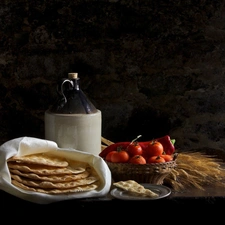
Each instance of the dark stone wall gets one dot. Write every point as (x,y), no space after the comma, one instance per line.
(151,67)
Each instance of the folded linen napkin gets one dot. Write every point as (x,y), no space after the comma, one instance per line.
(30,145)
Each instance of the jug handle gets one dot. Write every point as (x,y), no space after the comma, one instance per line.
(66,80)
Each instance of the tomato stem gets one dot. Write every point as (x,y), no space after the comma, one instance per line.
(135,139)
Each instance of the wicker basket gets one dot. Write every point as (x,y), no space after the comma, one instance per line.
(153,173)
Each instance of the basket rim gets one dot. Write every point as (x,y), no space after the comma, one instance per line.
(172,162)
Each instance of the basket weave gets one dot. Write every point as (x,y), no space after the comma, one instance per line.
(153,173)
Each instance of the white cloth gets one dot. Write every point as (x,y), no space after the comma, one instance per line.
(29,145)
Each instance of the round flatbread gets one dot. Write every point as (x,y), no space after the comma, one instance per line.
(59,185)
(40,159)
(52,178)
(83,188)
(47,170)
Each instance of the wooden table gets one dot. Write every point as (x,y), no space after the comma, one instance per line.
(188,205)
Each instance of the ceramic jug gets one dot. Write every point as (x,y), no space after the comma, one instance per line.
(73,121)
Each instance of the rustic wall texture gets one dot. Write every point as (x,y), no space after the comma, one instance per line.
(151,67)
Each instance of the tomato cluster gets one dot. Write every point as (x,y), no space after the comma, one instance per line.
(135,153)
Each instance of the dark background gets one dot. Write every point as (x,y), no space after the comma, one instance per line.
(151,67)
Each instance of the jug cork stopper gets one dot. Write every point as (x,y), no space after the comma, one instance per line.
(72,75)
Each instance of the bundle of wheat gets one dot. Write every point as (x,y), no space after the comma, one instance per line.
(196,169)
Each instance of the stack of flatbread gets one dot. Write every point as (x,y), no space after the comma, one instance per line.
(51,174)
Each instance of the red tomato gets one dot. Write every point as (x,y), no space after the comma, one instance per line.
(108,156)
(134,149)
(156,159)
(120,157)
(167,157)
(154,148)
(137,159)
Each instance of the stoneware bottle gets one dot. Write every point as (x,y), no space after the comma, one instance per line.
(73,121)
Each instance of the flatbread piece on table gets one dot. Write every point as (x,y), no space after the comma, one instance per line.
(135,188)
